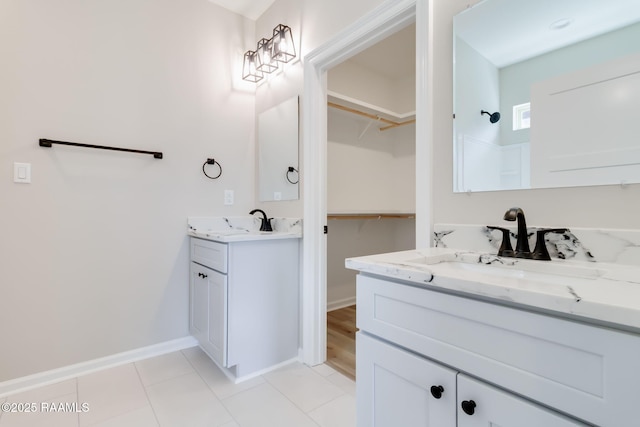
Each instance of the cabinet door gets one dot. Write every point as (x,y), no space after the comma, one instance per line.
(482,405)
(217,338)
(198,303)
(397,388)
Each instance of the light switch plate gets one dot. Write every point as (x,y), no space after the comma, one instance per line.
(228,197)
(22,173)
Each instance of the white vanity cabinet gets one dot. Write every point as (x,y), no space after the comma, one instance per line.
(519,368)
(399,388)
(480,405)
(244,300)
(394,387)
(208,317)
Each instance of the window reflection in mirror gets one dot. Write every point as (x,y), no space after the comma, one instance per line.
(576,64)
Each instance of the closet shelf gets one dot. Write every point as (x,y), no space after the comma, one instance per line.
(371,215)
(389,119)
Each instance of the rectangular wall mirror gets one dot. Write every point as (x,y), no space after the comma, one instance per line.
(546,94)
(278,152)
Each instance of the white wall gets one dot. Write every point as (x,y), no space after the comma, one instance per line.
(358,82)
(602,206)
(358,237)
(369,171)
(93,253)
(477,89)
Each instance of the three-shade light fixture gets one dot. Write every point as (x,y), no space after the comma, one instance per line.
(268,53)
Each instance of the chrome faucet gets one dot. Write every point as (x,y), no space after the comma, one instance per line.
(522,244)
(265,225)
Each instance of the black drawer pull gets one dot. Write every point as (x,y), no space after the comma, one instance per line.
(436,391)
(468,406)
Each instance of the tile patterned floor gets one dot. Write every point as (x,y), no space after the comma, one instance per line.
(185,388)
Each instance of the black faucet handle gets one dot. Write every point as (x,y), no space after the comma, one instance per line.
(506,249)
(266,224)
(540,252)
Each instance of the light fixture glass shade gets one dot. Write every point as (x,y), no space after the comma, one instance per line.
(267,63)
(250,71)
(283,48)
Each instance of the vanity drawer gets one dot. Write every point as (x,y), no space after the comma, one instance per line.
(210,254)
(587,371)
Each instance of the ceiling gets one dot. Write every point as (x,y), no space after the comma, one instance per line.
(509,31)
(251,9)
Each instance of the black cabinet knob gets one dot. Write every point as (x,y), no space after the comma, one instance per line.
(436,391)
(468,406)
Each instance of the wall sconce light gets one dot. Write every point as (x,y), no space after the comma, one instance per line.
(250,71)
(266,61)
(268,53)
(283,48)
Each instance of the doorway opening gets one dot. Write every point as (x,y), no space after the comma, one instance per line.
(370,173)
(384,21)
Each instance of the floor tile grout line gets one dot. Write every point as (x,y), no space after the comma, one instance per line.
(146,394)
(211,389)
(127,412)
(333,400)
(194,371)
(266,382)
(294,403)
(220,398)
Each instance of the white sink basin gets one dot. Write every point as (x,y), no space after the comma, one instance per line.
(515,273)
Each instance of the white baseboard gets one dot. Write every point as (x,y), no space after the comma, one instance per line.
(342,303)
(231,376)
(266,370)
(67,372)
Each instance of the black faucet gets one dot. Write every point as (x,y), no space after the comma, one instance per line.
(522,244)
(265,225)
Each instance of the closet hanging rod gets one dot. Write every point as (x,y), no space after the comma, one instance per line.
(371,216)
(49,142)
(391,124)
(395,125)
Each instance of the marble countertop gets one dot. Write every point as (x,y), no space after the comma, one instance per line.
(602,292)
(227,236)
(242,229)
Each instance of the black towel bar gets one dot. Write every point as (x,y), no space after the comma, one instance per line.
(49,142)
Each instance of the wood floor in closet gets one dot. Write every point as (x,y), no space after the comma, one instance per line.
(341,340)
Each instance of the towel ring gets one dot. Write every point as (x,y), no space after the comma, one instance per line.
(211,162)
(292,169)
